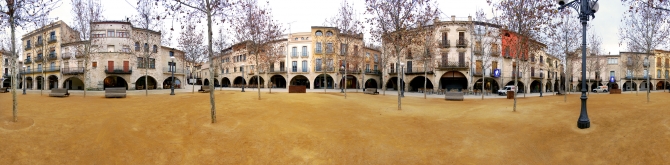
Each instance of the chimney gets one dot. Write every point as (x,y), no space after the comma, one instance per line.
(453,18)
(469,18)
(437,19)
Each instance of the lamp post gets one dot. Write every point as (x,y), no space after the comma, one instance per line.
(585,8)
(172,68)
(244,82)
(402,82)
(24,80)
(341,84)
(646,75)
(541,76)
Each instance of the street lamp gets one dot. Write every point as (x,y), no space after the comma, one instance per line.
(172,68)
(541,76)
(646,66)
(585,8)
(342,84)
(402,83)
(243,80)
(24,80)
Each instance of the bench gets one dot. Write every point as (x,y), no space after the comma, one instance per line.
(371,91)
(205,89)
(457,96)
(4,90)
(115,92)
(59,92)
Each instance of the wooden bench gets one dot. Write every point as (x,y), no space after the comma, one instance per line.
(59,92)
(115,92)
(4,90)
(205,89)
(371,91)
(457,96)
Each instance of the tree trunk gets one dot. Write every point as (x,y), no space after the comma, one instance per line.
(344,83)
(397,53)
(483,82)
(211,62)
(425,78)
(87,57)
(269,84)
(192,84)
(258,79)
(14,55)
(516,79)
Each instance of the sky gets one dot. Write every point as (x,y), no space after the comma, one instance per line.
(300,15)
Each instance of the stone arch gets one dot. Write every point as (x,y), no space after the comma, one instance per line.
(629,86)
(520,86)
(115,81)
(548,87)
(418,82)
(53,82)
(594,85)
(253,81)
(371,83)
(225,82)
(167,83)
(491,85)
(278,81)
(7,82)
(453,80)
(352,82)
(392,83)
(216,83)
(300,80)
(206,82)
(73,83)
(535,86)
(644,85)
(318,82)
(612,85)
(239,81)
(661,85)
(40,82)
(151,83)
(29,83)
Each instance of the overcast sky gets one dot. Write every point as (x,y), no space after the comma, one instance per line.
(307,13)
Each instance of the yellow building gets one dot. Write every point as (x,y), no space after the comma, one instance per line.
(43,59)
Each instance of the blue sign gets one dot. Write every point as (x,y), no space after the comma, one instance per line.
(612,79)
(496,73)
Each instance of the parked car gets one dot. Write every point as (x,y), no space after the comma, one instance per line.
(504,90)
(600,89)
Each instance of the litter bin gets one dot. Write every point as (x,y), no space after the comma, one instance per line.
(510,94)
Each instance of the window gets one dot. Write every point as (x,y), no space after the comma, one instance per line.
(612,73)
(329,33)
(126,49)
(52,66)
(140,62)
(376,58)
(329,48)
(110,33)
(302,38)
(28,69)
(658,62)
(666,73)
(343,49)
(628,73)
(80,64)
(52,36)
(318,47)
(152,63)
(146,47)
(171,54)
(304,66)
(296,39)
(39,40)
(155,49)
(28,44)
(367,67)
(294,67)
(612,61)
(95,64)
(330,64)
(318,64)
(137,46)
(110,48)
(294,52)
(376,68)
(304,51)
(367,56)
(39,67)
(245,57)
(122,34)
(658,73)
(318,33)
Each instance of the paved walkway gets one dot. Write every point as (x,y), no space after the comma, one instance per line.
(188,89)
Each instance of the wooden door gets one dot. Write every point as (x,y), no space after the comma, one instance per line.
(461,59)
(110,66)
(478,69)
(125,66)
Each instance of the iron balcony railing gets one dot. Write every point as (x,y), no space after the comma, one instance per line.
(168,70)
(445,44)
(118,70)
(351,70)
(519,74)
(278,70)
(478,51)
(52,68)
(455,64)
(28,61)
(418,69)
(28,47)
(39,59)
(372,71)
(304,54)
(52,56)
(318,50)
(461,43)
(537,74)
(52,39)
(72,70)
(5,75)
(39,43)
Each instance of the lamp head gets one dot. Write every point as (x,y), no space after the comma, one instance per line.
(561,2)
(172,57)
(594,6)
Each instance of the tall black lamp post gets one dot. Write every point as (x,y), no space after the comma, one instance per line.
(646,75)
(172,68)
(585,8)
(541,76)
(342,84)
(402,80)
(244,81)
(24,80)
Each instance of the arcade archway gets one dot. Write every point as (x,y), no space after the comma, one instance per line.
(40,82)
(548,87)
(453,80)
(319,82)
(418,82)
(150,84)
(352,82)
(629,86)
(239,81)
(7,83)
(53,82)
(167,83)
(300,80)
(278,81)
(662,86)
(253,82)
(519,86)
(595,85)
(73,83)
(644,85)
(392,83)
(29,83)
(535,86)
(491,85)
(115,81)
(206,82)
(225,82)
(371,83)
(216,83)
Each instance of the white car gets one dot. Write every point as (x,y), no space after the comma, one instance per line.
(600,89)
(504,90)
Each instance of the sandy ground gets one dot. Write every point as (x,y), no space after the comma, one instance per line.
(317,128)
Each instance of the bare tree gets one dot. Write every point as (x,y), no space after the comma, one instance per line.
(20,14)
(254,25)
(349,37)
(83,13)
(595,63)
(486,38)
(393,20)
(325,49)
(273,54)
(529,20)
(147,36)
(565,30)
(190,41)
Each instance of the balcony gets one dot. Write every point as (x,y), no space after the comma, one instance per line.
(168,70)
(537,75)
(495,53)
(72,71)
(52,56)
(304,54)
(533,61)
(39,59)
(445,44)
(351,71)
(318,51)
(79,55)
(478,51)
(277,70)
(39,43)
(66,56)
(52,39)
(28,47)
(329,51)
(461,43)
(629,63)
(453,65)
(477,72)
(118,70)
(52,69)
(294,55)
(519,74)
(6,76)
(419,70)
(27,61)
(375,72)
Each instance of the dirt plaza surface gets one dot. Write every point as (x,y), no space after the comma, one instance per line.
(318,128)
